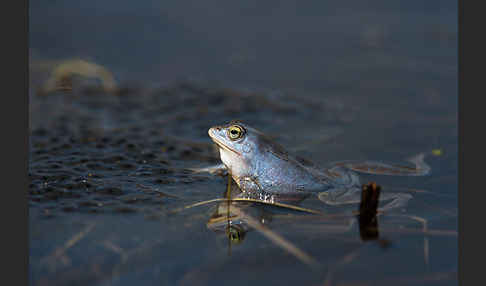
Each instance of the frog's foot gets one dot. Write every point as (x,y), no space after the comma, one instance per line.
(219,169)
(340,196)
(377,168)
(353,196)
(399,200)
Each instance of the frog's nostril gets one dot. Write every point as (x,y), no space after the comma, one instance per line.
(212,131)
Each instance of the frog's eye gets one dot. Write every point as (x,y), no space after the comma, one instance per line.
(235,132)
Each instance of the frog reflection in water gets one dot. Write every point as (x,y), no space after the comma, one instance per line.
(264,170)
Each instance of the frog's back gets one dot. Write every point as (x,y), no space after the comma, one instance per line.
(284,172)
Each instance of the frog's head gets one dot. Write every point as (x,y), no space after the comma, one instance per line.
(238,145)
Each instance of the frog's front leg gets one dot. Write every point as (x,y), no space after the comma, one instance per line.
(219,169)
(253,190)
(248,185)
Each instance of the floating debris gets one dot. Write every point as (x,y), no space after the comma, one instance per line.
(61,77)
(437,152)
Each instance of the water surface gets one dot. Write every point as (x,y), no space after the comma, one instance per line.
(329,81)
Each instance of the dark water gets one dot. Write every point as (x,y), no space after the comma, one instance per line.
(330,81)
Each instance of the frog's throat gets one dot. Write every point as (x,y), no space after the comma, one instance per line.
(221,145)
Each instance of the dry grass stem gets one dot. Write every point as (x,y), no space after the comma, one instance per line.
(291,207)
(333,268)
(59,253)
(277,239)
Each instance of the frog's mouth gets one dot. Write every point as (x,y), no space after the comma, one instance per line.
(213,135)
(221,145)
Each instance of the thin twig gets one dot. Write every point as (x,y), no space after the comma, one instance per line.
(59,253)
(228,196)
(296,208)
(157,191)
(348,258)
(279,240)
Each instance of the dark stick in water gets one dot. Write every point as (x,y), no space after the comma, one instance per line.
(368,225)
